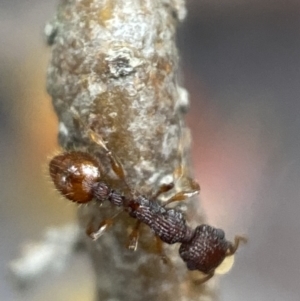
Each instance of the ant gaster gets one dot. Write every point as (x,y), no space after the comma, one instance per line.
(77,176)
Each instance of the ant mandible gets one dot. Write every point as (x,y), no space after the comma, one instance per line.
(77,176)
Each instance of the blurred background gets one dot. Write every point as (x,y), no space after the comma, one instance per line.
(241,65)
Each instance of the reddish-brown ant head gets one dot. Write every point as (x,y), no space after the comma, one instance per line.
(206,250)
(74,175)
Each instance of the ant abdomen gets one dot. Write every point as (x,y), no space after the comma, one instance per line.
(74,175)
(206,250)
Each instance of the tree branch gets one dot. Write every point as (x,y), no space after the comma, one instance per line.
(116,63)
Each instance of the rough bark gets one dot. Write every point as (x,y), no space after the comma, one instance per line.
(116,63)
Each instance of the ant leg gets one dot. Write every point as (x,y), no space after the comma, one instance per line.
(93,233)
(162,189)
(193,189)
(160,250)
(134,237)
(115,164)
(185,140)
(234,246)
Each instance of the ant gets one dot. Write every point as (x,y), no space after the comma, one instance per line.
(78,177)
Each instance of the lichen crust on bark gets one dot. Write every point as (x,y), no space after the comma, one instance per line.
(115,62)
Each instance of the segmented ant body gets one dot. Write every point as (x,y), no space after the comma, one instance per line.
(77,176)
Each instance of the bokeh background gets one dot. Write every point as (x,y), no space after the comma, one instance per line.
(241,63)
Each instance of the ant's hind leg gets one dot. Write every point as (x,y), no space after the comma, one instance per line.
(115,164)
(134,237)
(234,246)
(95,233)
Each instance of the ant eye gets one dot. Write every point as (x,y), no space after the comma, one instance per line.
(74,175)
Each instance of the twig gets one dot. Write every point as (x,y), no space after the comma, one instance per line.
(115,63)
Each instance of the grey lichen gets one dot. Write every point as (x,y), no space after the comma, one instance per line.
(115,62)
(51,254)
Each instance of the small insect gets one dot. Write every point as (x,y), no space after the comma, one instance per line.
(77,176)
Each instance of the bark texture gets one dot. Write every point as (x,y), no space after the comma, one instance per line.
(116,63)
